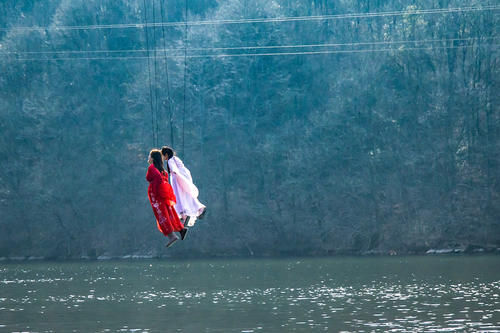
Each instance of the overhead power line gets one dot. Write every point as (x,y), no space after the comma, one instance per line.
(400,49)
(340,51)
(257,20)
(244,48)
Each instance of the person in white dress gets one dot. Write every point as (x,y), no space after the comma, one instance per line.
(188,206)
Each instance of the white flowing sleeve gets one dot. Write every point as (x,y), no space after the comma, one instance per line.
(174,169)
(182,176)
(182,168)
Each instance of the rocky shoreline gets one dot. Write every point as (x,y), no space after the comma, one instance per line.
(476,250)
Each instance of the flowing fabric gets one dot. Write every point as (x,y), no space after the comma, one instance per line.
(162,199)
(184,190)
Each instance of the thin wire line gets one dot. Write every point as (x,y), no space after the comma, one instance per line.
(347,16)
(260,20)
(338,51)
(257,47)
(149,75)
(337,44)
(155,73)
(166,74)
(185,71)
(265,54)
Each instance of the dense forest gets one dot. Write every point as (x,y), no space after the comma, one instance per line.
(310,127)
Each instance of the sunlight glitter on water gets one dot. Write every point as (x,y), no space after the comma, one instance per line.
(229,293)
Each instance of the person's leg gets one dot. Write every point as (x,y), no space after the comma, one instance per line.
(172,238)
(183,233)
(176,223)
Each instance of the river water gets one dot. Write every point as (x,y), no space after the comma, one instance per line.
(338,294)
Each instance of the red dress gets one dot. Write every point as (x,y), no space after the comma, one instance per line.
(162,198)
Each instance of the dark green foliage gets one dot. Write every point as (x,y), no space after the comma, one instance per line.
(293,154)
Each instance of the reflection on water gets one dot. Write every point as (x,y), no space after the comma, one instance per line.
(410,294)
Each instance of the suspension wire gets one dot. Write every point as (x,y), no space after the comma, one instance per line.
(155,61)
(169,102)
(262,20)
(149,76)
(263,47)
(337,51)
(400,49)
(185,70)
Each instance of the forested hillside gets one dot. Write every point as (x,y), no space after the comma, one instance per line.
(320,128)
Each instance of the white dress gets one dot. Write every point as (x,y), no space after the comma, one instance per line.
(185,191)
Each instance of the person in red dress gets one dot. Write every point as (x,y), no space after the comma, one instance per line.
(162,199)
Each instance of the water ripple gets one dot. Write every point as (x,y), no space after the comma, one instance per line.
(321,303)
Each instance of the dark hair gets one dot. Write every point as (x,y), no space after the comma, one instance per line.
(157,160)
(166,150)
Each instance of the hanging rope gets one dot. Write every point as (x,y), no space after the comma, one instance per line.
(185,70)
(171,115)
(149,75)
(155,61)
